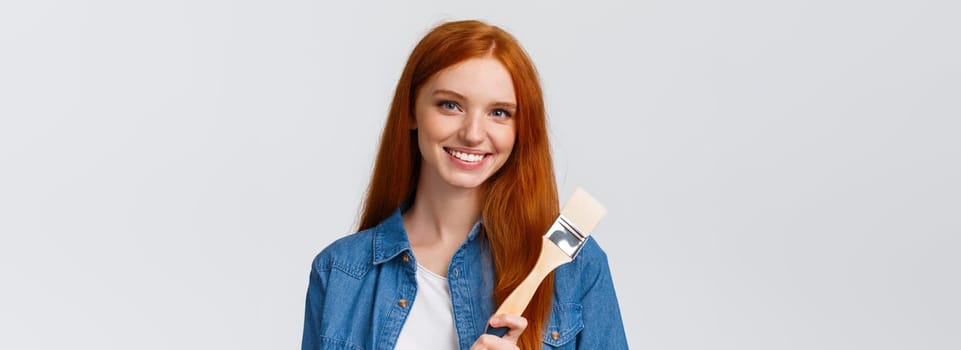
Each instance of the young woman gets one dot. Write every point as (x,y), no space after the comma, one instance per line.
(462,191)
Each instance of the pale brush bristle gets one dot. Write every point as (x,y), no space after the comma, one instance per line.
(583,211)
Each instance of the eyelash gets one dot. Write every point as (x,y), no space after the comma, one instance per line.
(506,113)
(446,104)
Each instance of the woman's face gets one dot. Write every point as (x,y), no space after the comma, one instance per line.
(464,116)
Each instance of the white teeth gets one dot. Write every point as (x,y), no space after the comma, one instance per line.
(467,157)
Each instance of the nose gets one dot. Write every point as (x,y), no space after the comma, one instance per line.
(472,131)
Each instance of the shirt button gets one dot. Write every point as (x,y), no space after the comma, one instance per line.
(456,272)
(555,335)
(406,258)
(402,303)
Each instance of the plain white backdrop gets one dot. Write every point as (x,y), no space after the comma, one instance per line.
(779,175)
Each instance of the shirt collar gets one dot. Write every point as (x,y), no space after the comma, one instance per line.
(390,237)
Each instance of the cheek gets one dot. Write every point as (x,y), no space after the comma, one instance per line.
(423,143)
(430,128)
(505,140)
(430,132)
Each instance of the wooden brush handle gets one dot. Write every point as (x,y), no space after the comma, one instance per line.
(551,257)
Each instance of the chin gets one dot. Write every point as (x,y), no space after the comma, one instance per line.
(465,183)
(466,186)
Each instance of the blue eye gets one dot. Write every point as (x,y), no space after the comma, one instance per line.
(500,113)
(448,105)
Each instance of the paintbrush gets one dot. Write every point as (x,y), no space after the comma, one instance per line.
(579,216)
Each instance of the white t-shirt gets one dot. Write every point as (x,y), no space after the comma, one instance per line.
(430,323)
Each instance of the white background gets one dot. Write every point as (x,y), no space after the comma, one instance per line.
(779,175)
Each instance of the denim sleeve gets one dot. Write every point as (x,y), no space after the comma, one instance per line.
(603,328)
(316,292)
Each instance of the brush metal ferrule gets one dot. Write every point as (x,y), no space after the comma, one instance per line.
(566,236)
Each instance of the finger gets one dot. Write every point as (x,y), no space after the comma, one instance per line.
(491,342)
(516,324)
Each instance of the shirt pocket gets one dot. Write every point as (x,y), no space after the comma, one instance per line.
(565,324)
(340,326)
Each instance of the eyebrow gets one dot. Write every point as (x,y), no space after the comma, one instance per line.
(461,97)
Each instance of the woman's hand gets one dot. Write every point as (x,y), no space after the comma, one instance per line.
(516,324)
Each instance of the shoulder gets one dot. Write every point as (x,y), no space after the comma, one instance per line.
(591,258)
(351,254)
(575,278)
(592,254)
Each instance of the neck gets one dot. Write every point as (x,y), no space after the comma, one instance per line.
(443,213)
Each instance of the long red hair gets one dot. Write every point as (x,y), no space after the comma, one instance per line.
(521,198)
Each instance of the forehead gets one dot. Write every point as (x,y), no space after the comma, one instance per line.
(484,79)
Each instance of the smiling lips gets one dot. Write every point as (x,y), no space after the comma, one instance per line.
(466,157)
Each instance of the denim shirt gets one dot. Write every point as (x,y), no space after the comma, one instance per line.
(363,286)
